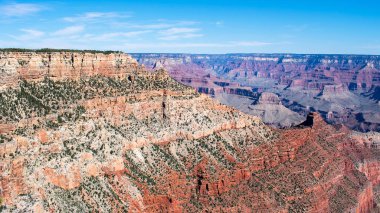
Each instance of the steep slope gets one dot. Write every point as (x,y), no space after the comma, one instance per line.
(141,142)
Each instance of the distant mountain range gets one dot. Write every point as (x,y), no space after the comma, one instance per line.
(344,89)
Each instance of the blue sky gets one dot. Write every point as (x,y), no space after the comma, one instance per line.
(195,26)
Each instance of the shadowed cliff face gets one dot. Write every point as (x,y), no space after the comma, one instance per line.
(340,87)
(140,141)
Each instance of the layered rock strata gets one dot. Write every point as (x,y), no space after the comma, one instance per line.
(62,65)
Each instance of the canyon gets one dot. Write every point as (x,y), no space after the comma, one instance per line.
(344,89)
(87,132)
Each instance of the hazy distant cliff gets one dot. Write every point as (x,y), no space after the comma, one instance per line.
(356,71)
(344,88)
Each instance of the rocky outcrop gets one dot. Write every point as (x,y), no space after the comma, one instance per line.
(269,98)
(270,109)
(334,89)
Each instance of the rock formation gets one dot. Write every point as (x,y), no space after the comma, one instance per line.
(270,109)
(116,140)
(269,98)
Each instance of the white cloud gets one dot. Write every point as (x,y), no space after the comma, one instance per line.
(28,34)
(69,31)
(219,23)
(20,9)
(178,30)
(150,26)
(201,44)
(251,43)
(32,32)
(95,16)
(158,25)
(180,36)
(109,36)
(176,33)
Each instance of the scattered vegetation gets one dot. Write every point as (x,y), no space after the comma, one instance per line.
(4,139)
(33,99)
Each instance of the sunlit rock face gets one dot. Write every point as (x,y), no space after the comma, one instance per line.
(62,65)
(125,139)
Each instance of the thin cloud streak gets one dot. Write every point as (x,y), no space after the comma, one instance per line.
(159,25)
(32,32)
(116,35)
(107,30)
(95,17)
(188,45)
(28,34)
(69,31)
(251,43)
(176,33)
(179,30)
(180,36)
(20,9)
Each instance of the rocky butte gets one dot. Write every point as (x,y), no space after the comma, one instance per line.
(344,89)
(86,132)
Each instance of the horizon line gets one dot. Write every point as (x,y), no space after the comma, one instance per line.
(10,49)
